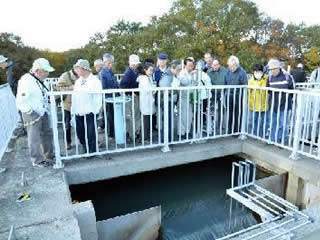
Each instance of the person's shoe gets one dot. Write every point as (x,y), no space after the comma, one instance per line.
(69,146)
(42,164)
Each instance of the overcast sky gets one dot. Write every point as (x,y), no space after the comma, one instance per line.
(59,25)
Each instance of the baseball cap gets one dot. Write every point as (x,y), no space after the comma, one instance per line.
(43,64)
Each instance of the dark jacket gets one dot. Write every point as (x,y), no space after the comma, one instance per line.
(299,75)
(218,77)
(13,75)
(238,77)
(129,79)
(281,81)
(108,80)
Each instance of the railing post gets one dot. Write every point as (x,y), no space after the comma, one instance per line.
(243,135)
(54,125)
(297,126)
(166,122)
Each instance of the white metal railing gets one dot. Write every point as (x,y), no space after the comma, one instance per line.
(285,118)
(308,85)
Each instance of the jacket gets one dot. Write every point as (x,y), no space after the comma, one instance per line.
(31,96)
(13,75)
(66,83)
(129,79)
(146,98)
(108,80)
(315,76)
(217,77)
(238,77)
(281,81)
(299,75)
(258,98)
(84,100)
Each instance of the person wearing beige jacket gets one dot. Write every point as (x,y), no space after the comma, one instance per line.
(66,83)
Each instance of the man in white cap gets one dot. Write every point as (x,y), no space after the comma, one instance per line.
(86,104)
(129,80)
(32,101)
(280,111)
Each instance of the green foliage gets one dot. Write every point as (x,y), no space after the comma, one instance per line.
(312,58)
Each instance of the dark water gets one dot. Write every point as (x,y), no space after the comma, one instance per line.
(193,199)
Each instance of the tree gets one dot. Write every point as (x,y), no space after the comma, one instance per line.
(312,58)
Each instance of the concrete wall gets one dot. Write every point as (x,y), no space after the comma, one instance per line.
(143,225)
(85,214)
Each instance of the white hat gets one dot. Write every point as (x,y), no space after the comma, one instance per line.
(83,64)
(42,64)
(3,59)
(134,59)
(273,63)
(98,62)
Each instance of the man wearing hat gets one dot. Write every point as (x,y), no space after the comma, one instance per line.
(32,101)
(280,111)
(129,81)
(13,75)
(86,104)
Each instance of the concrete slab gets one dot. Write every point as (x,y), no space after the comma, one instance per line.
(84,212)
(84,171)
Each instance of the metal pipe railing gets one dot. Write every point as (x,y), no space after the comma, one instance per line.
(285,121)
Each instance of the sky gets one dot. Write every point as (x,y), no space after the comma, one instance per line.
(59,25)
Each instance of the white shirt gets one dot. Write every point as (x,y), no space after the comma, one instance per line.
(84,98)
(147,105)
(31,95)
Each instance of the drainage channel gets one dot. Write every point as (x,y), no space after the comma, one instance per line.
(194,204)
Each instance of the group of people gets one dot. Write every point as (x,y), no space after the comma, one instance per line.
(85,105)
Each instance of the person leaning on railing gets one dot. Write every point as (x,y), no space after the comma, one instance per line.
(32,101)
(86,104)
(235,75)
(129,81)
(187,98)
(65,83)
(258,104)
(108,81)
(279,111)
(217,75)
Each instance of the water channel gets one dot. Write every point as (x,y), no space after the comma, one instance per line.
(193,199)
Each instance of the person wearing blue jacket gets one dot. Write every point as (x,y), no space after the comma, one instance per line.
(108,81)
(279,102)
(235,75)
